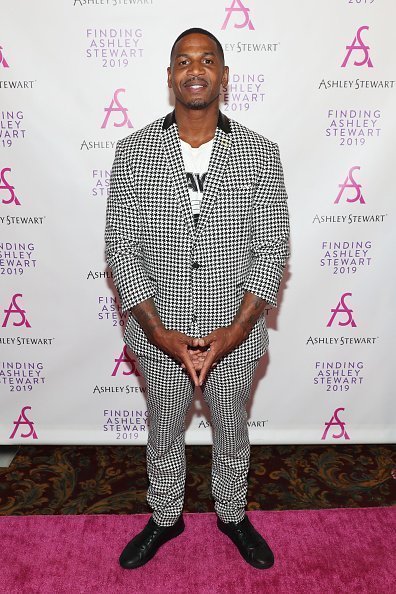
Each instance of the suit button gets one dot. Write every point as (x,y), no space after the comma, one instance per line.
(195,265)
(194,318)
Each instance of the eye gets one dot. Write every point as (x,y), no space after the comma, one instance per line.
(208,61)
(183,62)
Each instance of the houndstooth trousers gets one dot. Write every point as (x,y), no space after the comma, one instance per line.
(170,392)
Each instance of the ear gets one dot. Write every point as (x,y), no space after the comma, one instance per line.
(224,80)
(169,77)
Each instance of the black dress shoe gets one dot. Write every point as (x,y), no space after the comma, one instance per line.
(249,542)
(143,547)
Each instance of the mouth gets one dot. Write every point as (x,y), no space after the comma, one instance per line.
(195,85)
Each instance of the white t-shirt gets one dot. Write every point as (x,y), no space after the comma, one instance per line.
(196,163)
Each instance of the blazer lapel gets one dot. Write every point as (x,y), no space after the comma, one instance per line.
(218,161)
(217,165)
(175,163)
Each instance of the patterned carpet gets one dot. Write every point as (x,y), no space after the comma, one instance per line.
(112,479)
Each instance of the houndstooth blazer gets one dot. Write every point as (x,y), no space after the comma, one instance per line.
(196,276)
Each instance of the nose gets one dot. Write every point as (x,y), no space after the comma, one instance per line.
(196,68)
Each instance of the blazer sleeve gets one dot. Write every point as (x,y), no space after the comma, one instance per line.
(122,245)
(270,236)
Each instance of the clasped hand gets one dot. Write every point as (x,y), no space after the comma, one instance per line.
(199,355)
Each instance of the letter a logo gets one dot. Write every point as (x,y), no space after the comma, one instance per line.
(125,358)
(4,185)
(3,61)
(342,309)
(23,420)
(335,421)
(358,46)
(238,7)
(116,107)
(15,309)
(350,183)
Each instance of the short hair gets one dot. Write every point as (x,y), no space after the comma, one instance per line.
(202,32)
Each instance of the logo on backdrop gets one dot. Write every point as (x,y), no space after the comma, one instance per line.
(239,46)
(8,220)
(242,18)
(340,310)
(21,376)
(357,55)
(95,274)
(341,316)
(251,423)
(115,48)
(130,364)
(125,365)
(352,127)
(338,376)
(90,145)
(13,84)
(336,422)
(112,3)
(110,309)
(118,115)
(345,257)
(350,183)
(359,50)
(15,258)
(11,127)
(21,422)
(5,186)
(243,91)
(125,424)
(3,61)
(101,182)
(117,108)
(15,310)
(350,192)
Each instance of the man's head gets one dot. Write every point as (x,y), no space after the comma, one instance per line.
(197,70)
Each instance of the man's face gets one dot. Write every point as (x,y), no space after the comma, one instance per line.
(197,71)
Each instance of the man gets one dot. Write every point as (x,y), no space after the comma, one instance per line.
(196,237)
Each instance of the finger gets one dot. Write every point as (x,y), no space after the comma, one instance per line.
(206,366)
(207,340)
(189,340)
(195,358)
(197,355)
(189,366)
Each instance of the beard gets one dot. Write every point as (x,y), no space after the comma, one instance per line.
(197,104)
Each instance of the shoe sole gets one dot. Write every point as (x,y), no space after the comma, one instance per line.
(149,557)
(252,563)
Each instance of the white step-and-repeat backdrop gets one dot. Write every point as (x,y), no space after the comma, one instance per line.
(318,77)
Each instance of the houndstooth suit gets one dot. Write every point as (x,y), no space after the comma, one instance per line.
(197,277)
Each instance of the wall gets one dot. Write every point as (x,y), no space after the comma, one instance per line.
(318,78)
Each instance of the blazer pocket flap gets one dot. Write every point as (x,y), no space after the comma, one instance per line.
(238,188)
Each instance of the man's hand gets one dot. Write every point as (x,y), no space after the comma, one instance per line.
(203,352)
(198,355)
(223,340)
(176,344)
(172,342)
(219,343)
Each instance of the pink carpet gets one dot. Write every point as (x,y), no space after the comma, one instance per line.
(320,551)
